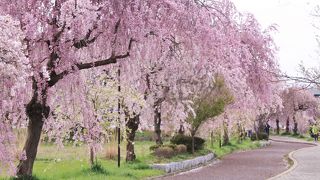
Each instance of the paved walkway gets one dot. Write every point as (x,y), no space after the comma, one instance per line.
(255,164)
(307,164)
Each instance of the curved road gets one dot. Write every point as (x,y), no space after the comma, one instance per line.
(255,164)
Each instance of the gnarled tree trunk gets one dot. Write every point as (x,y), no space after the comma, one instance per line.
(287,125)
(92,157)
(132,125)
(295,126)
(225,139)
(36,111)
(192,143)
(278,127)
(157,124)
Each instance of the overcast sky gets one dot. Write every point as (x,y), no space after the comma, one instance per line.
(296,34)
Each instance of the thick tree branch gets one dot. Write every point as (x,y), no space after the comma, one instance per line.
(54,78)
(86,40)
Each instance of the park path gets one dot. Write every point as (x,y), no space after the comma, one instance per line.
(255,164)
(306,167)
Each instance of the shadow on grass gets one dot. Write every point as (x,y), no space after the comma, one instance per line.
(137,165)
(25,178)
(97,168)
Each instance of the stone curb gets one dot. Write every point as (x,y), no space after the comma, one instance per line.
(186,164)
(290,156)
(301,142)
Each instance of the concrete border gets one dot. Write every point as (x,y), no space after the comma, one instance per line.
(290,156)
(213,161)
(173,167)
(301,142)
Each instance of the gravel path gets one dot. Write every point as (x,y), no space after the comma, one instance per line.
(255,164)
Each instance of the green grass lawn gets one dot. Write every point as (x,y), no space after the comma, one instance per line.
(305,137)
(71,162)
(80,169)
(247,144)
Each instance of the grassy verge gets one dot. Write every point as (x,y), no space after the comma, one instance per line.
(305,137)
(71,162)
(79,169)
(247,144)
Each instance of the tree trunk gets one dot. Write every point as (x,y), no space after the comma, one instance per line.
(181,130)
(225,134)
(36,113)
(132,125)
(157,124)
(211,138)
(278,127)
(192,144)
(287,126)
(295,126)
(91,156)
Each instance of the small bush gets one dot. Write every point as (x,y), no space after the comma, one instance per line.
(154,147)
(98,168)
(187,140)
(111,152)
(181,148)
(173,146)
(261,136)
(166,152)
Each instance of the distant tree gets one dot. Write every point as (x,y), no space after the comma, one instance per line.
(208,104)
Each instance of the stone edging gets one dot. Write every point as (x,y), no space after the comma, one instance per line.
(290,156)
(186,164)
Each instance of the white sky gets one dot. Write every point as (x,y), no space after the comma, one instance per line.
(296,34)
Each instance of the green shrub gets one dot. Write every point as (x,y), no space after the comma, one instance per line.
(187,140)
(98,168)
(261,136)
(181,148)
(173,146)
(166,152)
(154,147)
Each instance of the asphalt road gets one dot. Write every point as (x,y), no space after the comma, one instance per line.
(255,164)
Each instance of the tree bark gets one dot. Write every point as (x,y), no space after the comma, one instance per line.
(225,134)
(295,126)
(278,127)
(36,111)
(157,124)
(91,156)
(287,126)
(132,125)
(192,144)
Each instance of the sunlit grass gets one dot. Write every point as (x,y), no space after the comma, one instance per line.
(71,162)
(246,144)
